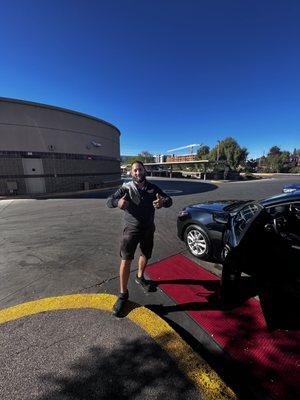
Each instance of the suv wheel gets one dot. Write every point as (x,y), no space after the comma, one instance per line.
(197,241)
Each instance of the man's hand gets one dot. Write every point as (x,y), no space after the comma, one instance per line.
(158,203)
(123,203)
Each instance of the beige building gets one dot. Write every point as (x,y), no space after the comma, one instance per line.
(45,149)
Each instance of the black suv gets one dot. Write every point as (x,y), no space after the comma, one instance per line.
(261,239)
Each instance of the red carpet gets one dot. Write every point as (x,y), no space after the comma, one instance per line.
(270,358)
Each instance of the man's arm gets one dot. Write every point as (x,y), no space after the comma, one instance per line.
(113,200)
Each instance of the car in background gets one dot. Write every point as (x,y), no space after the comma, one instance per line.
(291,187)
(259,238)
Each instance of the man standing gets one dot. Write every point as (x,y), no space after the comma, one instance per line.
(139,199)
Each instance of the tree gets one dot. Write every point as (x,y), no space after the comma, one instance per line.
(251,165)
(230,151)
(202,153)
(284,161)
(145,156)
(274,151)
(131,159)
(277,160)
(295,157)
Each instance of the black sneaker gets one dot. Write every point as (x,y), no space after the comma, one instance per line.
(146,285)
(119,304)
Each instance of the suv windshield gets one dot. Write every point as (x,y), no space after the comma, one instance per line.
(236,205)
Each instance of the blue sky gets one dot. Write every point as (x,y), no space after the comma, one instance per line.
(167,73)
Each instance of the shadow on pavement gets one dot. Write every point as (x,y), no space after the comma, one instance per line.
(135,369)
(280,305)
(247,289)
(172,188)
(230,372)
(279,301)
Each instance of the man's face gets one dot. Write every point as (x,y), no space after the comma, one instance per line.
(138,173)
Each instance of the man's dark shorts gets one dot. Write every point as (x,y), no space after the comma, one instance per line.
(132,236)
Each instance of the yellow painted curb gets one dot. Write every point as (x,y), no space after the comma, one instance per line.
(197,370)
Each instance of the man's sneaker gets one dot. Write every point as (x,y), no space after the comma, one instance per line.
(146,285)
(119,304)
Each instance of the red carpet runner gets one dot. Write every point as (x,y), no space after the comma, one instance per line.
(271,358)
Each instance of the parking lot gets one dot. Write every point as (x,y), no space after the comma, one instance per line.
(69,244)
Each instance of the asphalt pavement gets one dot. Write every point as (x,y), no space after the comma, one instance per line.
(67,245)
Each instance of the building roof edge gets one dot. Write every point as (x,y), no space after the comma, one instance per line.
(42,105)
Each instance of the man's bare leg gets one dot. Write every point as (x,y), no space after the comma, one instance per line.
(142,264)
(124,275)
(123,296)
(140,280)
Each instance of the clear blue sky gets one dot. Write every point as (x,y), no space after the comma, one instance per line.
(167,73)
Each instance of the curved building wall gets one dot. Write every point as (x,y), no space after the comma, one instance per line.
(50,149)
